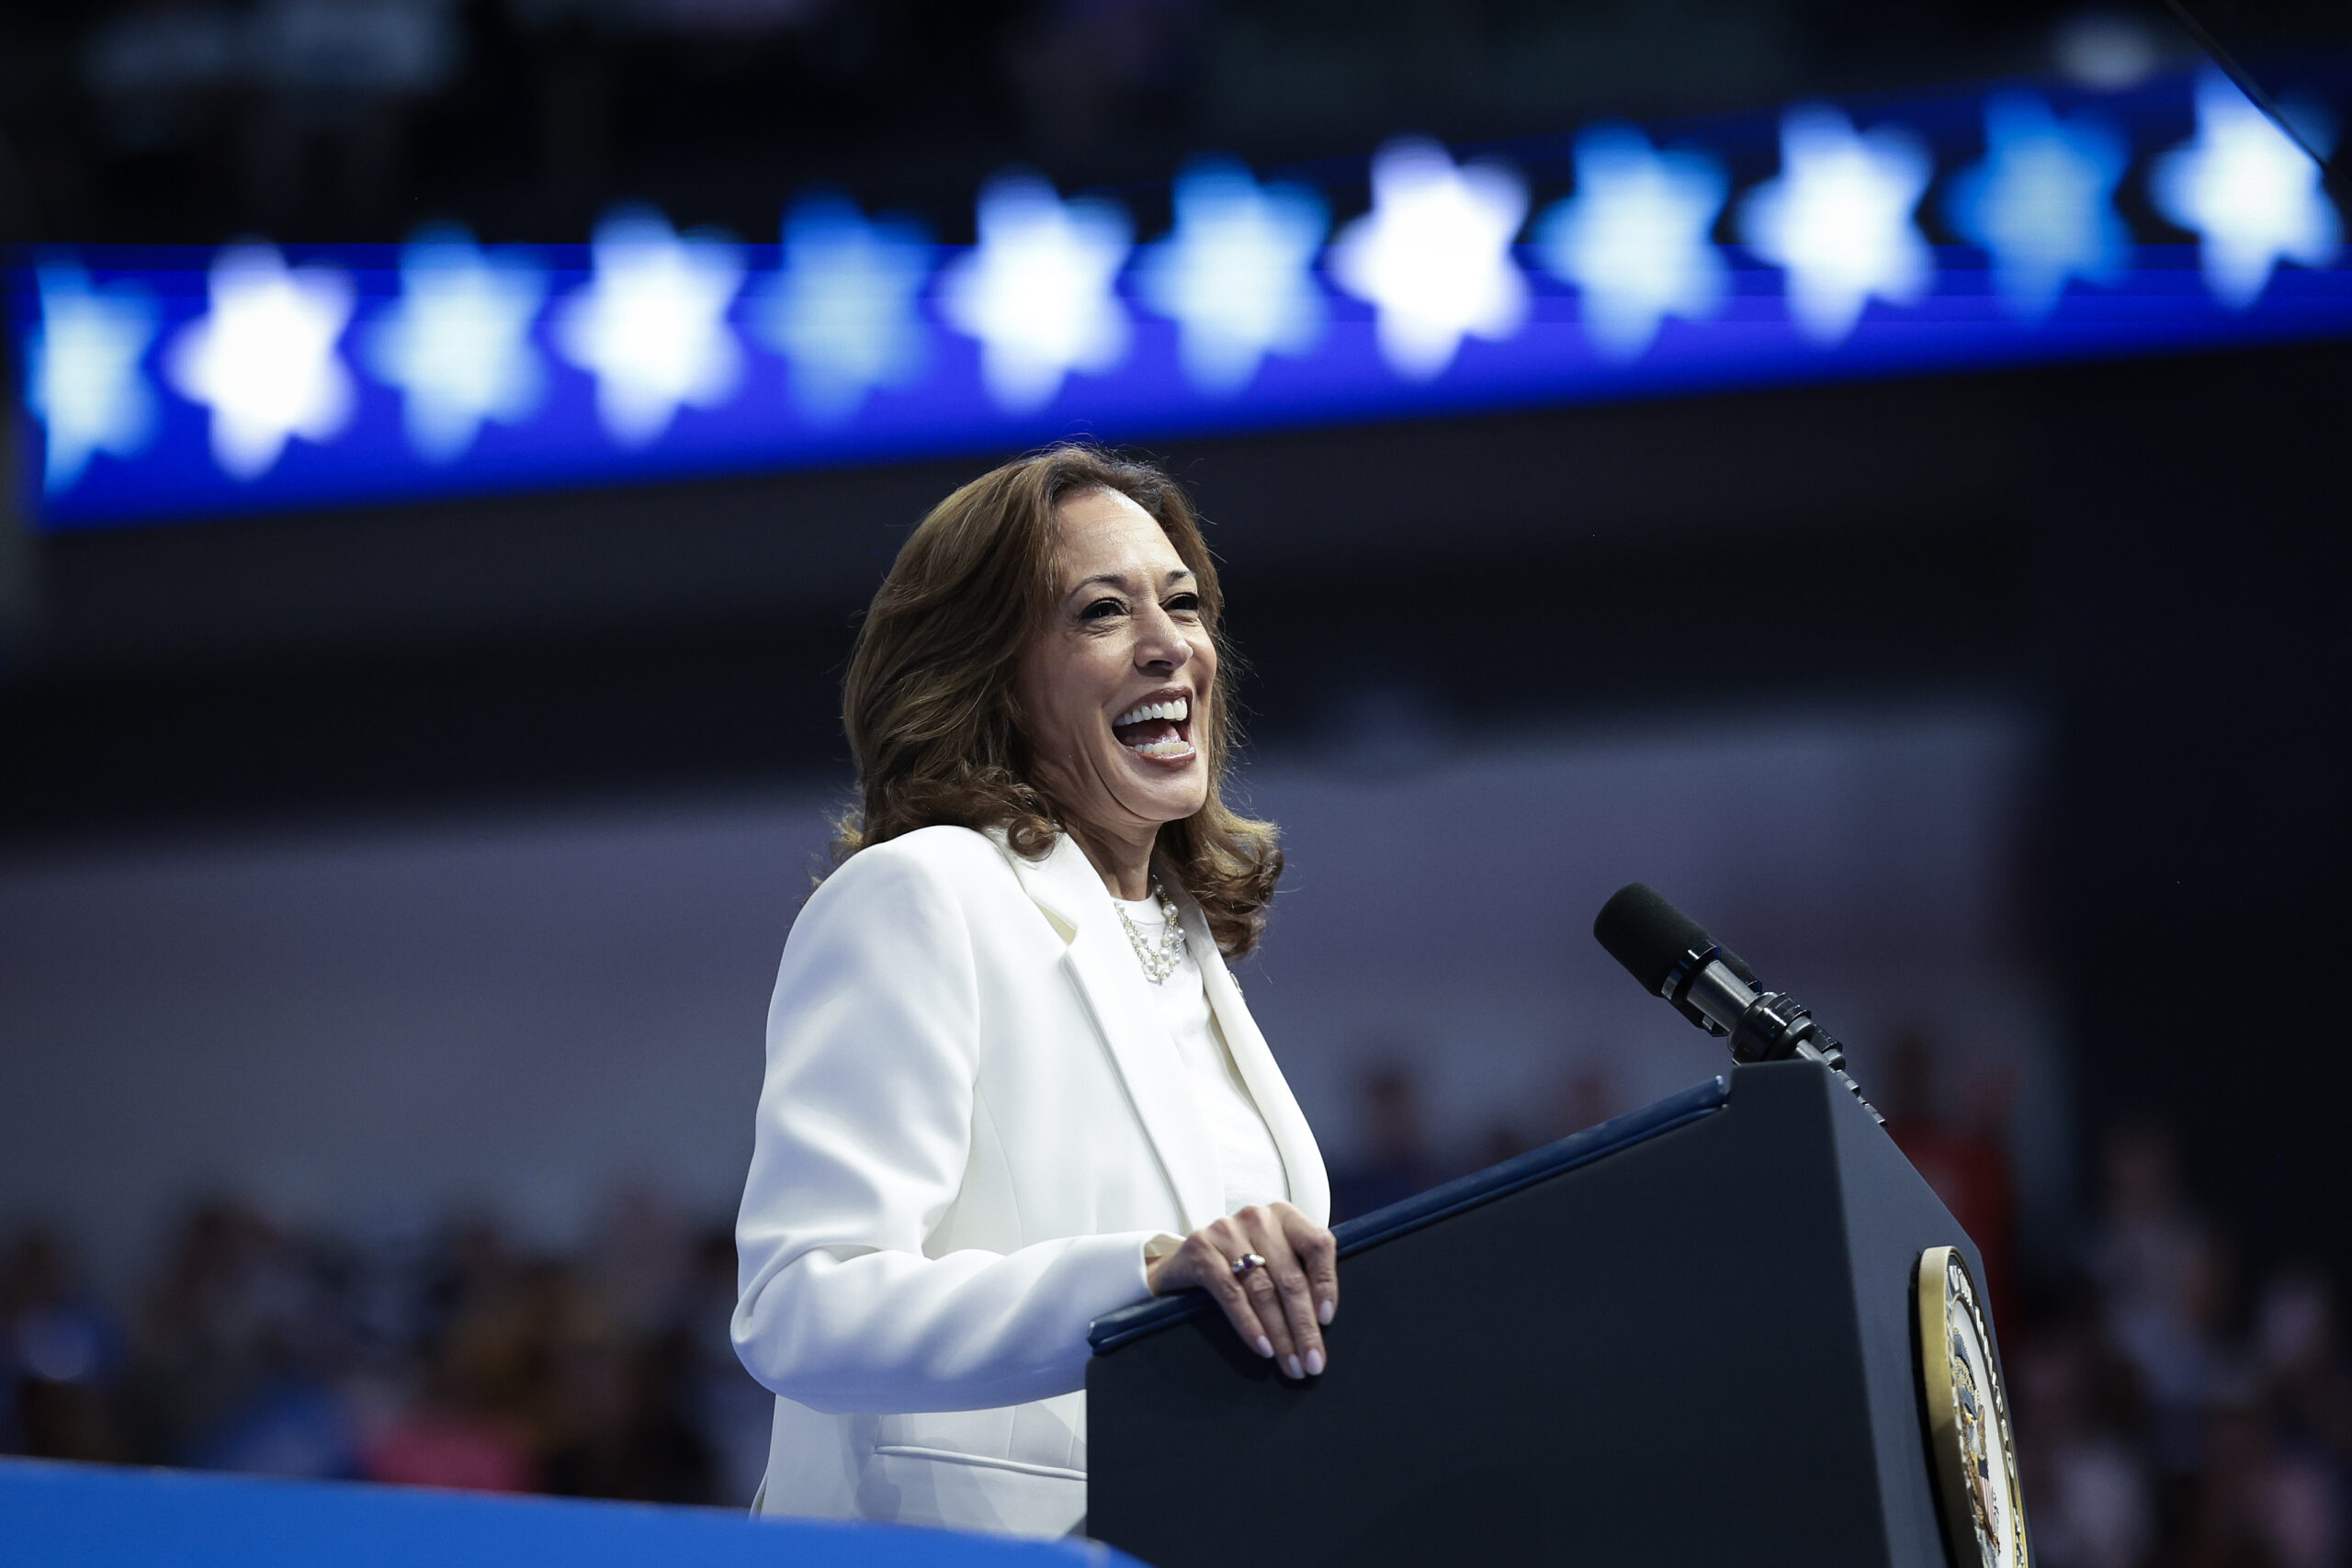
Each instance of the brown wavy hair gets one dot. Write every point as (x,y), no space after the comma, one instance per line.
(932,703)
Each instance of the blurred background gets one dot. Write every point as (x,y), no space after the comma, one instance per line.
(1874,472)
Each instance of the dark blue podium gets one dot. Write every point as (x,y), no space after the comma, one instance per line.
(1686,1336)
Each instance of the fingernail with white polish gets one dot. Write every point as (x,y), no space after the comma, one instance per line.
(1314,1363)
(1265,1346)
(1323,1311)
(1293,1364)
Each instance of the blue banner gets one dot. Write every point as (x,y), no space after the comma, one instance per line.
(94,1515)
(2019,224)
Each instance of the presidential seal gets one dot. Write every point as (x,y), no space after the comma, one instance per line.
(1969,1440)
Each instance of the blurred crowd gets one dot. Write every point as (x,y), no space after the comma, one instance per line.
(2173,1411)
(438,1356)
(152,120)
(192,120)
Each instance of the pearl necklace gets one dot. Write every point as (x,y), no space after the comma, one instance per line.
(1159,962)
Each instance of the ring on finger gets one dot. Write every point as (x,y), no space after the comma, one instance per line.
(1248,1261)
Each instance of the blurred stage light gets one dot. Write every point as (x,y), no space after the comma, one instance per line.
(1237,275)
(1837,221)
(1036,292)
(651,325)
(83,379)
(1433,254)
(2250,195)
(867,371)
(841,309)
(263,359)
(457,344)
(2106,49)
(2042,202)
(1635,237)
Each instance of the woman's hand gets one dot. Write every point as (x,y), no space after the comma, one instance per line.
(1277,1305)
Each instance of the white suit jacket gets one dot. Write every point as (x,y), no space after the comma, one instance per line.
(973,1119)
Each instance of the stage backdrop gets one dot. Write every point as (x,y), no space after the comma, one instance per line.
(522,1014)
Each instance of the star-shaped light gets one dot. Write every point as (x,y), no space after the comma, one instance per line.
(458,346)
(1433,254)
(1838,219)
(651,324)
(2043,202)
(841,309)
(1037,290)
(1237,275)
(81,376)
(262,359)
(1634,239)
(2248,192)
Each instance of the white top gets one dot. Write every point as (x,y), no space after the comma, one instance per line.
(971,1127)
(1248,1161)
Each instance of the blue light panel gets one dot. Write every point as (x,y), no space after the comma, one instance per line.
(1614,264)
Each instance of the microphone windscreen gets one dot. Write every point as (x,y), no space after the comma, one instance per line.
(1646,934)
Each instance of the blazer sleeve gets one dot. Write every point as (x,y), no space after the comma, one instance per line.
(864,1131)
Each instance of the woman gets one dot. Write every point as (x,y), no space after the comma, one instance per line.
(1010,1085)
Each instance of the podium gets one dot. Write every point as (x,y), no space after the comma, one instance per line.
(1687,1335)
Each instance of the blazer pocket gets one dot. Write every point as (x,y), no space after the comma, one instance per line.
(949,1455)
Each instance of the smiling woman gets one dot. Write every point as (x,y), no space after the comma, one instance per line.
(1130,613)
(1010,1085)
(955,702)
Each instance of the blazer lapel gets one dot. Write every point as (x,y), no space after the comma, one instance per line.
(1101,965)
(1310,1186)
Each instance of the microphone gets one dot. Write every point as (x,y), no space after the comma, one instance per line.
(1672,955)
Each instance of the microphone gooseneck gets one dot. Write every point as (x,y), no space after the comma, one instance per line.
(1672,956)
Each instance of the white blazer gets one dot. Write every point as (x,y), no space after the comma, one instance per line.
(973,1120)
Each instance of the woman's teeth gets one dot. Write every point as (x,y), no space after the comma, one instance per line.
(1176,709)
(1154,728)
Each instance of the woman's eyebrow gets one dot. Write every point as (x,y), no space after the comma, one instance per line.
(1120,579)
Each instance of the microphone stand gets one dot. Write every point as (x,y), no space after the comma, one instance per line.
(1714,989)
